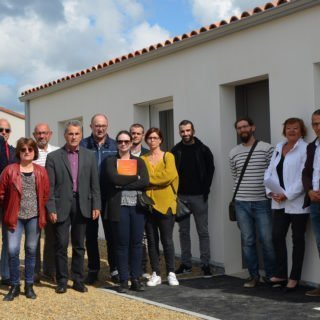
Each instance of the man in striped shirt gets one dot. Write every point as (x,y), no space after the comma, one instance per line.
(42,134)
(253,209)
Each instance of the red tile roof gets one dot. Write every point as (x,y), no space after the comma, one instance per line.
(12,113)
(106,64)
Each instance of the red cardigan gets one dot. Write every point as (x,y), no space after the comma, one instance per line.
(11,190)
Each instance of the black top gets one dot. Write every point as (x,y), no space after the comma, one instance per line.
(280,171)
(189,176)
(113,183)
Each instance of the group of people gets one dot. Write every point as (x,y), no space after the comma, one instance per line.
(65,190)
(278,187)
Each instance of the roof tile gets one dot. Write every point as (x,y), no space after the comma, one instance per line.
(168,42)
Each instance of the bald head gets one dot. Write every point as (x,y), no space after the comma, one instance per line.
(42,133)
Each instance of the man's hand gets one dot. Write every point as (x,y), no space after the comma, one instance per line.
(53,217)
(95,214)
(314,195)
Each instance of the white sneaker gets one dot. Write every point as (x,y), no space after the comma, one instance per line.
(172,279)
(154,280)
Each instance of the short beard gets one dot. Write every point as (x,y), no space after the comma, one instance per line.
(245,138)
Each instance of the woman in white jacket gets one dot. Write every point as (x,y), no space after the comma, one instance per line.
(284,185)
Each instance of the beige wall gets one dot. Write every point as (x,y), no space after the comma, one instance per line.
(201,82)
(17,126)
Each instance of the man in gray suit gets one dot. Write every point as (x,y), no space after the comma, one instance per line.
(74,199)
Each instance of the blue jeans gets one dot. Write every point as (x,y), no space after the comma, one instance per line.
(129,234)
(32,232)
(315,221)
(252,216)
(4,263)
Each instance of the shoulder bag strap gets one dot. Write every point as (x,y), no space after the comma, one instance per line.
(244,168)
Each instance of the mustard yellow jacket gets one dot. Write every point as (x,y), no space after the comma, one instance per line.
(161,177)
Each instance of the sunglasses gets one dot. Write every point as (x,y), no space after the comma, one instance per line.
(123,141)
(6,130)
(26,149)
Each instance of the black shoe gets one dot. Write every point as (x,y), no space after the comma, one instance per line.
(183,269)
(136,285)
(123,287)
(91,278)
(5,282)
(13,292)
(290,289)
(79,286)
(61,288)
(207,271)
(36,278)
(28,290)
(50,276)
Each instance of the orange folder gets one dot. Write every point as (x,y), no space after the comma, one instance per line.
(127,167)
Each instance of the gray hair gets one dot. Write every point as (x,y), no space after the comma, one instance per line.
(73,123)
(99,115)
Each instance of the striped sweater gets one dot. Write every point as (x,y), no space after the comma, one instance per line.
(251,187)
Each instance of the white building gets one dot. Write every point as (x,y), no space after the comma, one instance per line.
(17,122)
(265,64)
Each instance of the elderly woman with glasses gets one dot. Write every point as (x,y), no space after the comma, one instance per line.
(24,191)
(123,178)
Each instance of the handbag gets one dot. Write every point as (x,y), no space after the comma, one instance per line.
(144,201)
(183,210)
(232,204)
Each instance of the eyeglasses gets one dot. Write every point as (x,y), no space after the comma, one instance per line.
(39,133)
(153,138)
(243,127)
(6,130)
(26,149)
(123,141)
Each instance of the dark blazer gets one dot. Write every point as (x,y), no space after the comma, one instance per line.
(307,172)
(61,186)
(4,161)
(113,184)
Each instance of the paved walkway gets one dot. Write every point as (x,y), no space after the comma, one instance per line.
(223,297)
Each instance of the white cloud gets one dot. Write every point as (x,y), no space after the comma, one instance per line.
(144,35)
(210,11)
(35,50)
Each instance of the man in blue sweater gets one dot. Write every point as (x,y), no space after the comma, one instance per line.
(103,147)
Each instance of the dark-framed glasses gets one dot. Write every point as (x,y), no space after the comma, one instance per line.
(123,141)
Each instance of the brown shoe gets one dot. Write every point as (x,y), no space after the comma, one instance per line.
(313,293)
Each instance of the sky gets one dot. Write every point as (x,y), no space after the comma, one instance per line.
(43,40)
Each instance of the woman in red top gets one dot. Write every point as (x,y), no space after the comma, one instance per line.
(24,191)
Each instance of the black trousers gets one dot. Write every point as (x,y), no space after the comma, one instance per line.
(78,231)
(157,222)
(93,247)
(281,223)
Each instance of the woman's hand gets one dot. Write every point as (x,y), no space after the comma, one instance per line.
(278,197)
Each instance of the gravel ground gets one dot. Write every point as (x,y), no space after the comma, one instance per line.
(96,304)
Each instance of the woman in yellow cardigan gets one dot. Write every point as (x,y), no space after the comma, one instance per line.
(163,177)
